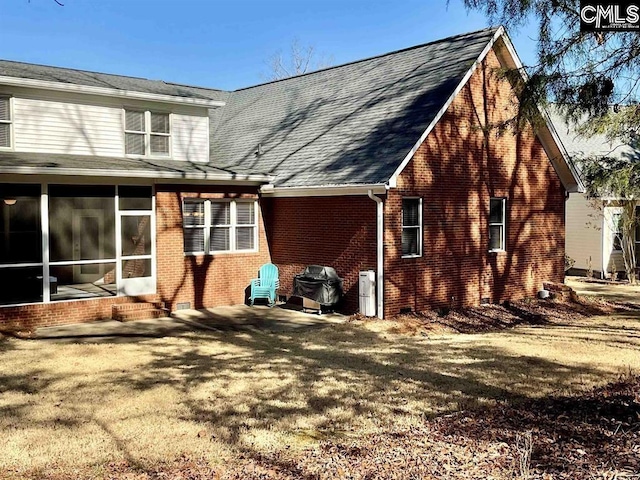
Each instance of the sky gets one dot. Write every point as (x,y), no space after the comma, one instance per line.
(223,44)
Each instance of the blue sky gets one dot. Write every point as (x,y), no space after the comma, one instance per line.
(222,44)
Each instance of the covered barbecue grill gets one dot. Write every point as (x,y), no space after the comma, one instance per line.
(321,284)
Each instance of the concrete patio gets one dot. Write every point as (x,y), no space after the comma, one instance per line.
(219,319)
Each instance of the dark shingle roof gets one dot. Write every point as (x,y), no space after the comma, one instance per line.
(351,124)
(94,79)
(27,162)
(580,146)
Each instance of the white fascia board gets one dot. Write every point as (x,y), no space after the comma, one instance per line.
(394,178)
(108,92)
(579,186)
(86,172)
(322,191)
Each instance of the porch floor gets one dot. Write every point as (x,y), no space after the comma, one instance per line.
(220,319)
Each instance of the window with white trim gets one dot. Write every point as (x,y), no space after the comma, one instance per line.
(497,224)
(213,226)
(147,133)
(411,227)
(5,122)
(616,225)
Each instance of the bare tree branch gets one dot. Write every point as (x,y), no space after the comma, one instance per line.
(299,60)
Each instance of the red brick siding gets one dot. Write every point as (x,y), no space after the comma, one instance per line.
(26,317)
(456,171)
(336,231)
(202,280)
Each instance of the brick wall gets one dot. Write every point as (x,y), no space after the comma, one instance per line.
(464,161)
(202,280)
(27,317)
(339,232)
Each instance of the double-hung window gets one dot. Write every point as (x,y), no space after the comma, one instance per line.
(497,224)
(147,133)
(411,227)
(213,226)
(5,122)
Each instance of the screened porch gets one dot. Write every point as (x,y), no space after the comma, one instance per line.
(87,241)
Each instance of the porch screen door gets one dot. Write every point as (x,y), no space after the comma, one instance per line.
(136,269)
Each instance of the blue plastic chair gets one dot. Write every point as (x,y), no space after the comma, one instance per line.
(266,284)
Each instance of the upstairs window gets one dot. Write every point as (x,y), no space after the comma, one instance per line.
(5,122)
(212,226)
(411,227)
(497,224)
(147,133)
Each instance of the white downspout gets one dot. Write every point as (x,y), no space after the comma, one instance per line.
(379,253)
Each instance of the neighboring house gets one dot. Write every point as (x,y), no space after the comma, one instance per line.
(593,240)
(123,194)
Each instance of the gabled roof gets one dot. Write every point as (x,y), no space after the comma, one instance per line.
(56,76)
(351,124)
(354,125)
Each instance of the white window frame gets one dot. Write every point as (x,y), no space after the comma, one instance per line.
(232,226)
(616,217)
(503,224)
(147,133)
(206,221)
(8,122)
(413,227)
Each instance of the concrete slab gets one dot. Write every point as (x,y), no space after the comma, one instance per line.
(219,319)
(113,331)
(243,317)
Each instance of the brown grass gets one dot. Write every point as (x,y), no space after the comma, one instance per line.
(74,409)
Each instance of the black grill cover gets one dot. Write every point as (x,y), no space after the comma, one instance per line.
(318,283)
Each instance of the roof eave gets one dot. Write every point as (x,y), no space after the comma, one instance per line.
(108,92)
(323,191)
(547,134)
(146,174)
(394,178)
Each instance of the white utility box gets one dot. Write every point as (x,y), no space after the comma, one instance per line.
(367,290)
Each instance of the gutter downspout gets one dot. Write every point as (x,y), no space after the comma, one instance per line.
(379,253)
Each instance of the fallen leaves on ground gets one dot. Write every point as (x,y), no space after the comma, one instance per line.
(487,318)
(593,435)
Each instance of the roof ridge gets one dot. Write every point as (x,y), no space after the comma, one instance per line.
(394,52)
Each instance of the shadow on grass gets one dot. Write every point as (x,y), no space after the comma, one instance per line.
(295,388)
(330,384)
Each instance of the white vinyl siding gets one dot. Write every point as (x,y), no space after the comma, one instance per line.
(190,137)
(5,122)
(584,230)
(56,127)
(51,122)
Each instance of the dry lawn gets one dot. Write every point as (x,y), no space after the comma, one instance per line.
(71,410)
